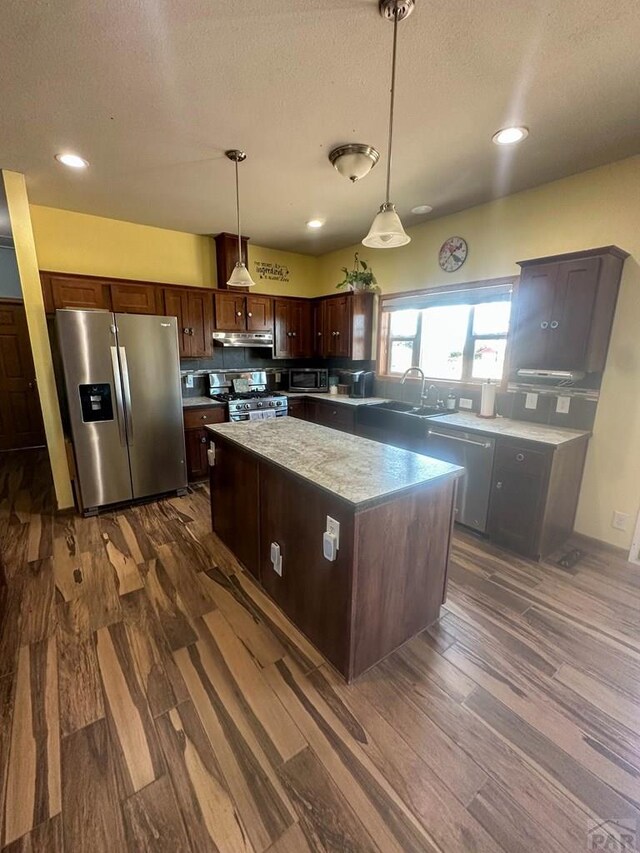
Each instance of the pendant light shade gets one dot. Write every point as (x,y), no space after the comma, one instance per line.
(240,276)
(386,230)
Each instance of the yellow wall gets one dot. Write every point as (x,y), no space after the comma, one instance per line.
(595,208)
(18,206)
(93,245)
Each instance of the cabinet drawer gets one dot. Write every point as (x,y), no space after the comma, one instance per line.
(336,417)
(521,458)
(198,417)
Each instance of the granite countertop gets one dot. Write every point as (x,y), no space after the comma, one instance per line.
(507,427)
(195,402)
(360,471)
(341,399)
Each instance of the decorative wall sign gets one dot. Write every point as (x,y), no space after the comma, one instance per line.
(269,271)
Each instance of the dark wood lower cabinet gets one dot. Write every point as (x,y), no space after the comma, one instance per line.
(297,408)
(196,438)
(388,580)
(327,413)
(534,495)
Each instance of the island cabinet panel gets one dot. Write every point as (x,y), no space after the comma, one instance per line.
(297,408)
(400,580)
(235,505)
(313,592)
(197,440)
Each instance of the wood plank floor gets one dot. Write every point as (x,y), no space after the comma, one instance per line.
(153,698)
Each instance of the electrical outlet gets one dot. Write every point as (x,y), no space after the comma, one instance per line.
(333,527)
(620,520)
(465,403)
(562,406)
(531,401)
(188,380)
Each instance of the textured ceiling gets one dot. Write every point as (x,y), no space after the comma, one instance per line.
(151,92)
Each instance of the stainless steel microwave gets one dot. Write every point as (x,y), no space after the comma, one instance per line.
(308,379)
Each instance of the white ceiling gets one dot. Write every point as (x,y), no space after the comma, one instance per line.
(152,92)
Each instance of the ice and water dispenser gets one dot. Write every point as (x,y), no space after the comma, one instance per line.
(95,401)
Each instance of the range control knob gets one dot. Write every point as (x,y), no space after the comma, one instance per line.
(278,402)
(271,403)
(259,405)
(246,406)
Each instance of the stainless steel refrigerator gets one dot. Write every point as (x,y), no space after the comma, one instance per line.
(122,376)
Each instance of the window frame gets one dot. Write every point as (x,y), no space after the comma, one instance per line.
(428,296)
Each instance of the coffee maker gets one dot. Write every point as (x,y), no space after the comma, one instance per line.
(362,383)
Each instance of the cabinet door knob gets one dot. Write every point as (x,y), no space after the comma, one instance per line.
(544,324)
(519,457)
(203,418)
(203,440)
(554,324)
(249,314)
(185,331)
(293,334)
(238,313)
(498,485)
(337,334)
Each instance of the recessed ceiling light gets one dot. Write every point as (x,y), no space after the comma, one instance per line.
(510,135)
(72,160)
(422,208)
(315,223)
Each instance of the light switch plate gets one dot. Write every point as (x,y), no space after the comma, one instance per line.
(620,520)
(563,404)
(465,403)
(531,401)
(276,558)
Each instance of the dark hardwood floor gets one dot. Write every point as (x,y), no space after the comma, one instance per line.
(152,698)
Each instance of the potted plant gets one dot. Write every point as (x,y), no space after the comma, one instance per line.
(360,277)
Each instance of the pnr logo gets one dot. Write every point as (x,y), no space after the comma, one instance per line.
(614,836)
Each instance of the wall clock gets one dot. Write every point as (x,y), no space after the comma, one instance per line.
(453,253)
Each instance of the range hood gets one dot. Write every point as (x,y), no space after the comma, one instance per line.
(553,375)
(243,339)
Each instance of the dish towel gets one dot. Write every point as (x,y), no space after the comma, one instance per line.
(261,416)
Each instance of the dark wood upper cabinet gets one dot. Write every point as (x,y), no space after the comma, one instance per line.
(136,298)
(259,313)
(343,326)
(563,310)
(293,335)
(227,257)
(74,292)
(194,312)
(236,312)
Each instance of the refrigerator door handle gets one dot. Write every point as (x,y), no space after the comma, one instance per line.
(127,392)
(118,395)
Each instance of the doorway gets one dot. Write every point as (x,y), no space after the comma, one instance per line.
(21,423)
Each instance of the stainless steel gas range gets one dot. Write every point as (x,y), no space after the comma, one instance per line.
(247,396)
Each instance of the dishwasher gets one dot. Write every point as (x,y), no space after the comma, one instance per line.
(475,454)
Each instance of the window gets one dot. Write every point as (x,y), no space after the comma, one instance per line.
(457,335)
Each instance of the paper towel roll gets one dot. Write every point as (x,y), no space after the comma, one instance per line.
(488,401)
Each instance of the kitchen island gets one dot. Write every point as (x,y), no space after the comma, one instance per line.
(276,482)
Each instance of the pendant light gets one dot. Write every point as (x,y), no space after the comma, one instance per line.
(240,276)
(386,231)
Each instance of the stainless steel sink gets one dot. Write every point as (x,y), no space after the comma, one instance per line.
(408,409)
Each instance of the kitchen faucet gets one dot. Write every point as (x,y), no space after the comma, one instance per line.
(431,396)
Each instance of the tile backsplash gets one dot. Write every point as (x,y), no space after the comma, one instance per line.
(510,404)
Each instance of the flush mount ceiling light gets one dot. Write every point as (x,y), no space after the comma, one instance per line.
(510,135)
(386,231)
(354,161)
(422,208)
(74,161)
(315,223)
(240,276)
